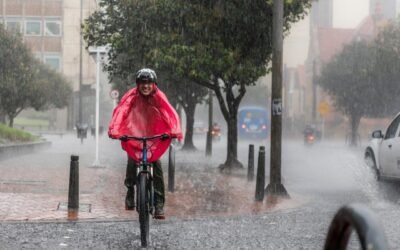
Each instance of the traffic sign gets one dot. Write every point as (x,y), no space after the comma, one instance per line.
(114,94)
(323,108)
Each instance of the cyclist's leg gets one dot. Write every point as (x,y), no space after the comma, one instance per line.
(159,190)
(130,181)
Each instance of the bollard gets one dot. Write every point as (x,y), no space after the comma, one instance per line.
(171,169)
(260,181)
(73,192)
(250,167)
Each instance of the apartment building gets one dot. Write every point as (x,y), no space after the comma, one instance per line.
(51,28)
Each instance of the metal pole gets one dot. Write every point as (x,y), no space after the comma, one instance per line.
(80,64)
(275,186)
(96,161)
(210,122)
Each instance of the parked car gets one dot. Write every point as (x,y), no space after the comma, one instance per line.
(383,151)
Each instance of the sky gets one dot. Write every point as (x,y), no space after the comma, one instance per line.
(349,13)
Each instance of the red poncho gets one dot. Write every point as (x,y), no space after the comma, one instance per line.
(138,115)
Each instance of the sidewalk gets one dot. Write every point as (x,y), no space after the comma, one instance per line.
(35,187)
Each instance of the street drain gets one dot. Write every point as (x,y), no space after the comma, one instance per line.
(83,207)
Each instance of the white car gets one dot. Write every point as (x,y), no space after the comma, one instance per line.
(383,151)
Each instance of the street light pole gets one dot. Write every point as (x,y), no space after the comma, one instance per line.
(98,51)
(80,65)
(96,161)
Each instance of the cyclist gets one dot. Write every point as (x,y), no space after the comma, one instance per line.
(145,111)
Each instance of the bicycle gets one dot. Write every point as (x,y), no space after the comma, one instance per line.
(144,186)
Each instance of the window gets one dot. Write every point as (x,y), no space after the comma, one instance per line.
(391,130)
(54,61)
(14,24)
(33,27)
(38,56)
(52,27)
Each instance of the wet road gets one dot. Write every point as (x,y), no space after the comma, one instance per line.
(323,178)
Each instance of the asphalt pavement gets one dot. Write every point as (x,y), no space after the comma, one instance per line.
(207,210)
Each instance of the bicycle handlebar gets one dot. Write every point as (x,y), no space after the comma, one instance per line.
(146,138)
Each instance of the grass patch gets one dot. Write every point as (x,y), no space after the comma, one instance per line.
(29,122)
(8,134)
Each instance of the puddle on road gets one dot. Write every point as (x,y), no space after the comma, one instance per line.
(219,195)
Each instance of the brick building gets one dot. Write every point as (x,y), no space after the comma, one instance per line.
(51,28)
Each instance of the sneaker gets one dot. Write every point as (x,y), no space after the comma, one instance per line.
(159,213)
(130,199)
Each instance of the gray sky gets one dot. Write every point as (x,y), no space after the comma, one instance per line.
(349,13)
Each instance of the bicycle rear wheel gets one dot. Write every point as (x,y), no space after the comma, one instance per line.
(144,209)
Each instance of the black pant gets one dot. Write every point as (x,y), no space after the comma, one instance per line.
(158,180)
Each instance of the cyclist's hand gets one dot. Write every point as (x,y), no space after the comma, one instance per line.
(124,138)
(165,137)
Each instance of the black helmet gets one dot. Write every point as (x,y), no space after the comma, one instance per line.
(146,75)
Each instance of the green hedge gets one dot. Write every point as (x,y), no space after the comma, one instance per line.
(14,135)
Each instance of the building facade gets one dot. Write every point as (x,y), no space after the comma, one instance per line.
(51,29)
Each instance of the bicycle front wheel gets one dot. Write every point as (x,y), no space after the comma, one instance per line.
(144,209)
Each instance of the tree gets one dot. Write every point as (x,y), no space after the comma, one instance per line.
(221,45)
(224,46)
(187,94)
(51,89)
(350,80)
(387,64)
(133,34)
(25,82)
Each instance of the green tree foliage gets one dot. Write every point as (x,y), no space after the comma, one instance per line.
(134,35)
(349,78)
(387,65)
(364,78)
(51,89)
(221,45)
(25,82)
(185,94)
(224,46)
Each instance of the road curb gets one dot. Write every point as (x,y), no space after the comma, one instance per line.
(12,150)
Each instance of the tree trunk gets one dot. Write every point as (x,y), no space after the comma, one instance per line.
(231,162)
(190,109)
(2,118)
(11,121)
(354,123)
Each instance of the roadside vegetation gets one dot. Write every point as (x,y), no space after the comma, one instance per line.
(25,82)
(364,76)
(10,135)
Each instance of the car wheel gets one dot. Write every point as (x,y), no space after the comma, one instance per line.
(370,161)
